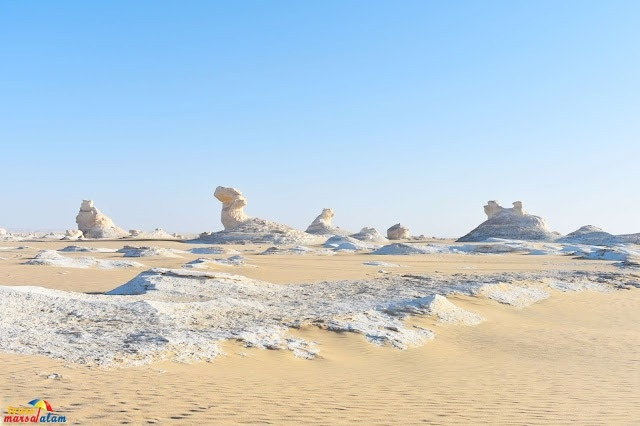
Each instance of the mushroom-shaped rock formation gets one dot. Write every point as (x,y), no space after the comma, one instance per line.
(242,229)
(369,234)
(398,232)
(233,203)
(322,225)
(94,224)
(510,223)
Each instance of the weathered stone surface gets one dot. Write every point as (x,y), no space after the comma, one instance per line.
(233,203)
(398,232)
(322,225)
(510,223)
(156,234)
(369,234)
(73,234)
(590,235)
(242,229)
(94,224)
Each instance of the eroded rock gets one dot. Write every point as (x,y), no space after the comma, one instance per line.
(94,224)
(233,203)
(322,225)
(510,223)
(398,232)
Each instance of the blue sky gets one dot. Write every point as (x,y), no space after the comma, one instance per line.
(387,111)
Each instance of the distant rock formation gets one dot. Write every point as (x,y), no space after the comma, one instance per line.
(242,229)
(369,234)
(322,225)
(156,234)
(341,242)
(591,235)
(3,232)
(233,203)
(398,232)
(630,238)
(73,234)
(94,224)
(510,223)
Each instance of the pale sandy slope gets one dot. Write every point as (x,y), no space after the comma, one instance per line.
(574,357)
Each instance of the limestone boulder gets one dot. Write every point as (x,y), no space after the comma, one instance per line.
(398,232)
(94,224)
(233,203)
(322,225)
(73,234)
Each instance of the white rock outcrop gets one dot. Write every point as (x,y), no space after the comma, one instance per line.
(592,235)
(510,223)
(398,232)
(322,225)
(73,234)
(242,229)
(233,203)
(185,314)
(156,234)
(94,224)
(369,234)
(346,243)
(53,258)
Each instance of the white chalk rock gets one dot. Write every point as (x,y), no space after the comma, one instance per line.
(341,242)
(156,234)
(510,223)
(242,229)
(322,225)
(233,203)
(369,234)
(94,224)
(73,234)
(3,232)
(590,235)
(398,232)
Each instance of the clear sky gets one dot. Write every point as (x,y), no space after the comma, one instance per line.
(386,111)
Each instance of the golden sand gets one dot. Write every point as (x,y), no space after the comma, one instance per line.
(573,358)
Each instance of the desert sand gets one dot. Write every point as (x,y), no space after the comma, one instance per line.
(571,357)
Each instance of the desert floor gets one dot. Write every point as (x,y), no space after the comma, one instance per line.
(572,358)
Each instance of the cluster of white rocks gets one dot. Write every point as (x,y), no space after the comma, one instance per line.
(511,223)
